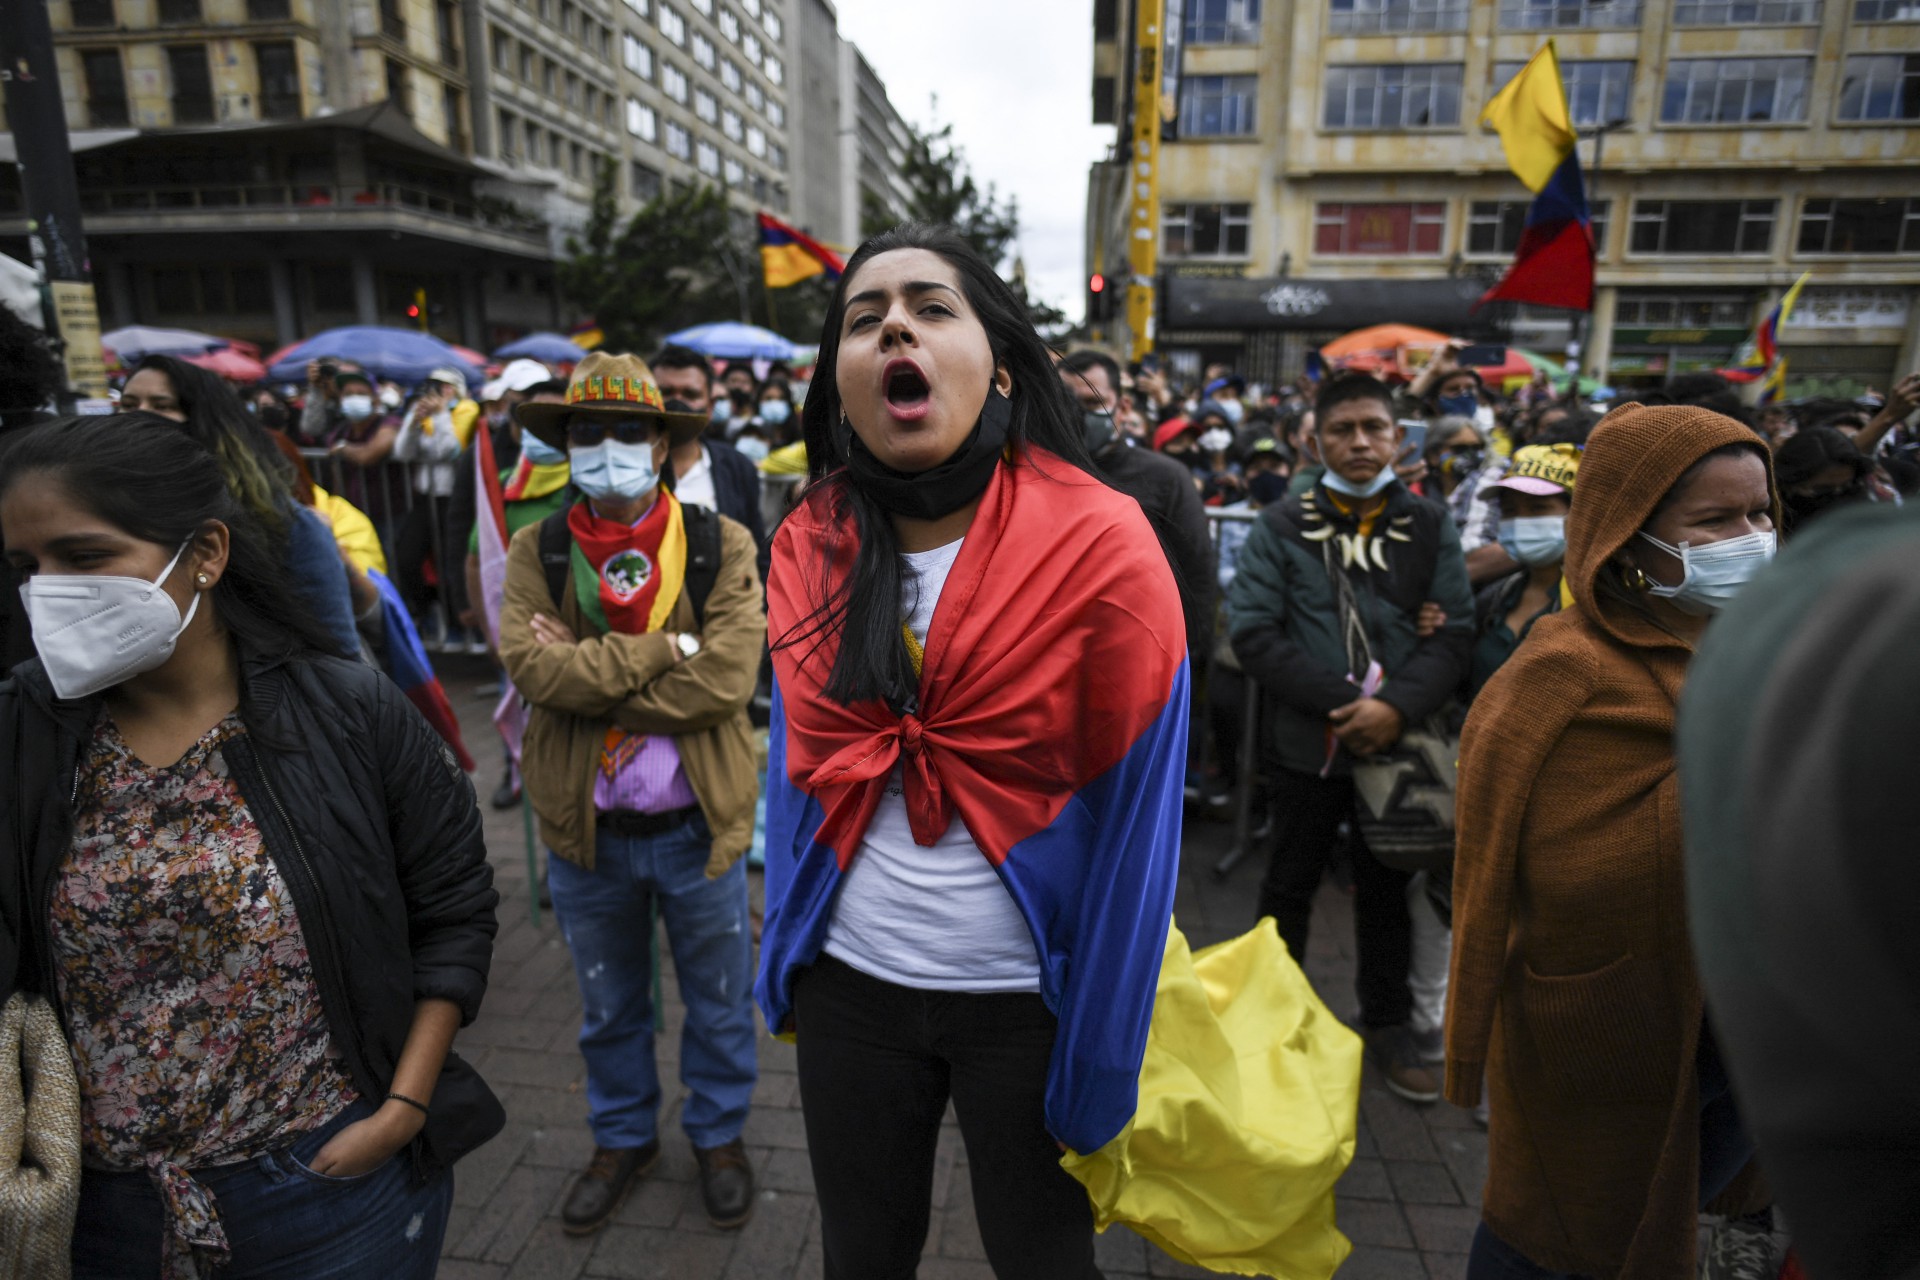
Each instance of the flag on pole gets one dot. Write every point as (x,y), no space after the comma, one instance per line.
(1553,265)
(1761,351)
(789,255)
(1775,387)
(586,335)
(490,535)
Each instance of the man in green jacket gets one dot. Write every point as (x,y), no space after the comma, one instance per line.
(1360,537)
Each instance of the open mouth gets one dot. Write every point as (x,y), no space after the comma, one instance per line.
(907,389)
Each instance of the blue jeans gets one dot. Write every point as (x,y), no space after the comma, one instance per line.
(607,916)
(281,1218)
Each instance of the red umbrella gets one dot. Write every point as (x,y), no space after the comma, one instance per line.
(231,364)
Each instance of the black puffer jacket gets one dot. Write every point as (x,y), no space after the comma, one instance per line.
(372,825)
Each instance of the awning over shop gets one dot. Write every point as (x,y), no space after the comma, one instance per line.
(1294,303)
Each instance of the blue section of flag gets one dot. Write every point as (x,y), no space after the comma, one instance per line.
(1563,199)
(405,657)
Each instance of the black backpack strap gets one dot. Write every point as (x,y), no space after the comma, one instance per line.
(703,558)
(556,555)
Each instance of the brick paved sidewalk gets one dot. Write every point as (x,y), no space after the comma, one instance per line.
(1408,1203)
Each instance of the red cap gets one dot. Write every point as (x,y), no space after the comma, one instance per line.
(1167,430)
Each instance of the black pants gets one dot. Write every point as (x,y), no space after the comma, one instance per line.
(878,1063)
(413,550)
(1308,811)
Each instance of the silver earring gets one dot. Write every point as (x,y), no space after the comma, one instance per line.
(201,579)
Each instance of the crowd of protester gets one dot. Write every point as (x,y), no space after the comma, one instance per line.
(1430,593)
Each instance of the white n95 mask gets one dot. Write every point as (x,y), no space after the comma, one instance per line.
(95,630)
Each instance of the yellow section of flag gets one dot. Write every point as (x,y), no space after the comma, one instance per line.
(1249,1094)
(787,264)
(1531,116)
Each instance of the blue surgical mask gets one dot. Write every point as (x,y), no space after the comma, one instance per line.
(538,451)
(775,412)
(753,447)
(1535,540)
(1234,410)
(356,407)
(1340,484)
(1462,406)
(613,470)
(1713,574)
(721,411)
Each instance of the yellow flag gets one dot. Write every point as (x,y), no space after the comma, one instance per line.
(1531,116)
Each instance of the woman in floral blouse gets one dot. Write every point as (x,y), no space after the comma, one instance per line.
(247,874)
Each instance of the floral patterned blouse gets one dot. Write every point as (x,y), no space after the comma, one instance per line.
(196,1025)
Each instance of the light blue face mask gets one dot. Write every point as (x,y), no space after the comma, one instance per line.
(775,412)
(1713,574)
(1535,540)
(613,470)
(753,448)
(539,452)
(1340,484)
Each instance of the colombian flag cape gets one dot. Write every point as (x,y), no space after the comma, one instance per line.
(1052,721)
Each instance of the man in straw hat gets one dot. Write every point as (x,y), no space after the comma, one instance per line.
(633,626)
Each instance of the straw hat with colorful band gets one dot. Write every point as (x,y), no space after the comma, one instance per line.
(608,386)
(1546,470)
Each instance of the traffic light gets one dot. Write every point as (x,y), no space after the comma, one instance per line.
(417,312)
(1098,284)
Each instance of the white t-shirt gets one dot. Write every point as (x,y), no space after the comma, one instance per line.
(933,918)
(696,487)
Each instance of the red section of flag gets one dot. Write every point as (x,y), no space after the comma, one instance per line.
(1554,269)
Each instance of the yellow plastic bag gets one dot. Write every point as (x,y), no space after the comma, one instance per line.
(1249,1095)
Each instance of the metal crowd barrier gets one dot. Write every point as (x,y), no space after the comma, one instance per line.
(1248,781)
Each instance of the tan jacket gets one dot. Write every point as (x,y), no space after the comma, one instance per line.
(640,684)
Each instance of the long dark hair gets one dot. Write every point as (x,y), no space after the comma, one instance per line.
(147,476)
(873,662)
(217,419)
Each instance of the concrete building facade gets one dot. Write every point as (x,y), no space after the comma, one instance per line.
(1323,152)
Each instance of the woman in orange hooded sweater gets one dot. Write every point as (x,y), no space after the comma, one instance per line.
(1573,987)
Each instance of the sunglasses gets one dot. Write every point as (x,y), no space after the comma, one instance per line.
(587,432)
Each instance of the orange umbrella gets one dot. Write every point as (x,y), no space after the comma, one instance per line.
(1381,340)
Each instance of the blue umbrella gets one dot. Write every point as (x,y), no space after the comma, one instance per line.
(405,355)
(547,348)
(138,341)
(731,340)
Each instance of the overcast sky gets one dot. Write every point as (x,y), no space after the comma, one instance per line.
(1015,79)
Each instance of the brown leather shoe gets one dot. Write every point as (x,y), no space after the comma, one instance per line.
(726,1184)
(598,1191)
(1397,1054)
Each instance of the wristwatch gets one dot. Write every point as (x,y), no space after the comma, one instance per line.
(687,643)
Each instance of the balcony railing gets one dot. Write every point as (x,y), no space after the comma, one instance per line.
(285,197)
(1534,15)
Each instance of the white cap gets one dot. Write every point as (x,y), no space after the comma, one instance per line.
(518,376)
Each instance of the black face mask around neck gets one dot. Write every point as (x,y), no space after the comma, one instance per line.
(943,489)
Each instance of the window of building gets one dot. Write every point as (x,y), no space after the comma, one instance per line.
(1597,92)
(1881,86)
(756,98)
(447,32)
(568,15)
(1735,90)
(643,182)
(732,125)
(775,69)
(1399,229)
(1702,226)
(752,7)
(1886,225)
(730,74)
(453,110)
(1746,13)
(638,56)
(703,51)
(777,156)
(750,45)
(1363,16)
(706,106)
(1684,310)
(638,6)
(771,24)
(279,73)
(732,172)
(756,142)
(502,48)
(1885,11)
(508,139)
(190,85)
(679,141)
(397,91)
(1393,96)
(673,81)
(706,158)
(1205,230)
(642,123)
(577,160)
(672,25)
(573,90)
(92,13)
(526,65)
(729,25)
(269,10)
(703,7)
(1223,22)
(1218,106)
(1536,15)
(393,22)
(777,114)
(1494,227)
(549,76)
(179,12)
(535,153)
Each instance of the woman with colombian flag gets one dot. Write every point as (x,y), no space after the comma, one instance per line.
(975,773)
